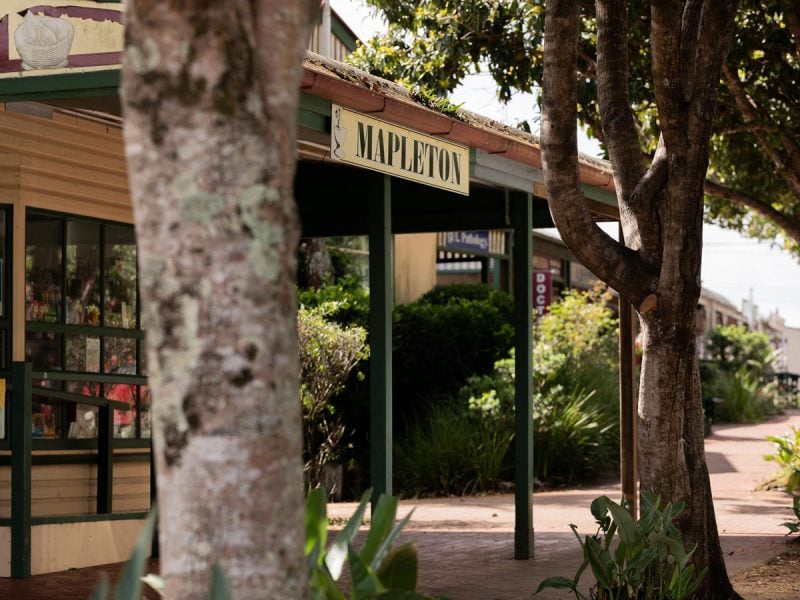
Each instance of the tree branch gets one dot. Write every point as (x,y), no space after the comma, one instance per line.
(789,225)
(619,128)
(747,127)
(620,267)
(788,169)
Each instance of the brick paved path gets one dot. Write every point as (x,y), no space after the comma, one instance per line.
(466,544)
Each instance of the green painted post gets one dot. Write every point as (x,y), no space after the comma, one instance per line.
(381,298)
(105,460)
(21,434)
(522,220)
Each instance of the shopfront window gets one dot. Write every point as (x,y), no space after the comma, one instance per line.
(43,249)
(120,277)
(92,327)
(83,273)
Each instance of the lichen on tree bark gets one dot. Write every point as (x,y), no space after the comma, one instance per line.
(210,91)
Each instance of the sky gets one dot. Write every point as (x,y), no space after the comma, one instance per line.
(733,265)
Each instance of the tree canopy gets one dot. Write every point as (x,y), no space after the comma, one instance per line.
(754,174)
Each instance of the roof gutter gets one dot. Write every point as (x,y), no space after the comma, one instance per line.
(358,90)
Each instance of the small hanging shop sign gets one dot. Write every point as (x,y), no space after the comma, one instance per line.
(405,153)
(41,38)
(542,292)
(469,241)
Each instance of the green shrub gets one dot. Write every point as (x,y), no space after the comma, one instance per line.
(328,353)
(576,400)
(735,346)
(744,397)
(575,435)
(460,292)
(629,559)
(438,346)
(350,298)
(449,451)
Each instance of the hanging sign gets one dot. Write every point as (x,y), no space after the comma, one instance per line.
(469,241)
(542,291)
(381,146)
(51,38)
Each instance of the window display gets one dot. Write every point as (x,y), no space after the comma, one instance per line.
(89,328)
(83,273)
(43,246)
(120,277)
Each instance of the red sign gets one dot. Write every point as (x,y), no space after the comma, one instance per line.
(542,291)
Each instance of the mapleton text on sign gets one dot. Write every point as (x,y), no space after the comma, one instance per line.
(382,146)
(421,157)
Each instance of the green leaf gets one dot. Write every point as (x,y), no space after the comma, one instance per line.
(600,563)
(399,569)
(380,526)
(558,583)
(628,532)
(599,508)
(363,582)
(316,519)
(130,584)
(323,587)
(337,553)
(390,539)
(220,587)
(689,591)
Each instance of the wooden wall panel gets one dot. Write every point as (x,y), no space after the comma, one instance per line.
(66,164)
(71,489)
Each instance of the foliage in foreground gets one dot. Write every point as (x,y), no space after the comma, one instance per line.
(377,571)
(130,584)
(630,559)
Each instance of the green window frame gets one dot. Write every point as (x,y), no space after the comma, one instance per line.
(82,329)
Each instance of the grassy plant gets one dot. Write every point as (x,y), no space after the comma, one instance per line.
(745,397)
(448,452)
(629,559)
(573,437)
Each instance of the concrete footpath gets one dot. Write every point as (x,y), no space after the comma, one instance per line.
(466,544)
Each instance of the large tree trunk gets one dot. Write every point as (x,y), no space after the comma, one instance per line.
(661,210)
(671,445)
(210,93)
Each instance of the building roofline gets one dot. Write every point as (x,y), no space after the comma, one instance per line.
(361,91)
